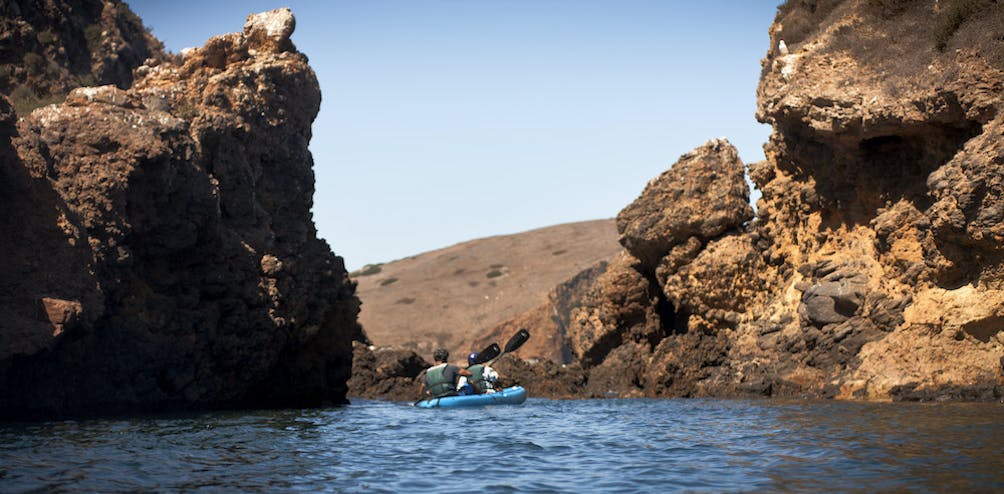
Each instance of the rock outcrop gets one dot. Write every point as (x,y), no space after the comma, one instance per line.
(50,47)
(882,204)
(873,268)
(161,251)
(385,373)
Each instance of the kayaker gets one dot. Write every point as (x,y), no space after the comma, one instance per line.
(443,378)
(483,377)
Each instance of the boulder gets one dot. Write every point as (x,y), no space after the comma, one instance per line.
(703,195)
(385,373)
(833,299)
(270,31)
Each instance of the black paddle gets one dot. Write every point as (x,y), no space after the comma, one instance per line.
(492,351)
(488,353)
(512,345)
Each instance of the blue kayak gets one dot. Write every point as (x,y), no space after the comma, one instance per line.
(508,396)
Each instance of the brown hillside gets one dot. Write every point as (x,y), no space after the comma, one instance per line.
(450,296)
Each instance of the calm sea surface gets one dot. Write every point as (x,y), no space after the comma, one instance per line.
(540,446)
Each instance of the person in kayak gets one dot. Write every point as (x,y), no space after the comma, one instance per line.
(443,378)
(483,377)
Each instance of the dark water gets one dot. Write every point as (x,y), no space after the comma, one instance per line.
(541,446)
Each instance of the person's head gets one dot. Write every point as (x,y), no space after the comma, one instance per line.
(472,358)
(441,355)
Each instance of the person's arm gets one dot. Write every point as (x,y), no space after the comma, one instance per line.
(422,392)
(459,373)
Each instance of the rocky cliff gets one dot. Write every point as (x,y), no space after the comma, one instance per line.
(873,267)
(159,242)
(882,209)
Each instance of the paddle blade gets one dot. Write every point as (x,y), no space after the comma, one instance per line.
(490,352)
(517,340)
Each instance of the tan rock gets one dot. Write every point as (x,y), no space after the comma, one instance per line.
(270,265)
(110,95)
(950,340)
(270,31)
(61,313)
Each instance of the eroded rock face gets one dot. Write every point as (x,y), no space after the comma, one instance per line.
(170,257)
(49,47)
(621,307)
(870,189)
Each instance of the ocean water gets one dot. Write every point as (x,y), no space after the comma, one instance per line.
(540,446)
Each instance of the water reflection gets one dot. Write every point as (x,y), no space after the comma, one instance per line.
(927,447)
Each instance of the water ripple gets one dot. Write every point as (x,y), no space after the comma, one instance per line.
(542,446)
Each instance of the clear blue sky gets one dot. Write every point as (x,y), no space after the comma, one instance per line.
(443,121)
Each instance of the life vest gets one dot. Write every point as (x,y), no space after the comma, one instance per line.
(478,378)
(437,384)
